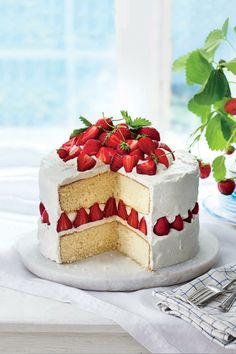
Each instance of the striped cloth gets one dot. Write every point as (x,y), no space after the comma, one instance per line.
(218,326)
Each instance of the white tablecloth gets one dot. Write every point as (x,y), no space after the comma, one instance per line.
(133,311)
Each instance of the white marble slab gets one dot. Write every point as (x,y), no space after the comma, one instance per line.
(111,271)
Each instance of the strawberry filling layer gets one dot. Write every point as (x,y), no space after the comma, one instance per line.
(163,227)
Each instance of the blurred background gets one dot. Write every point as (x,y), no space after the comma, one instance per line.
(60,59)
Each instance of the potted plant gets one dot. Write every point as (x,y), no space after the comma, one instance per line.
(213,104)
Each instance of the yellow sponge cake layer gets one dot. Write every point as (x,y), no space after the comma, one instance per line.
(100,188)
(101,238)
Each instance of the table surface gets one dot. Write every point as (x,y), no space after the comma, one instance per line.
(30,324)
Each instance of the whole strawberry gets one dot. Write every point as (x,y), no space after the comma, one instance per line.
(104,124)
(230,106)
(204,169)
(226,186)
(150,132)
(230,150)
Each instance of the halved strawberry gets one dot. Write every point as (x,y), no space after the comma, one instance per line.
(195,210)
(62,153)
(177,224)
(137,152)
(122,212)
(116,162)
(147,168)
(161,157)
(41,208)
(123,130)
(104,124)
(189,218)
(105,154)
(45,217)
(133,218)
(95,212)
(133,144)
(129,162)
(81,218)
(113,140)
(146,145)
(150,132)
(64,223)
(85,162)
(166,147)
(103,137)
(143,226)
(122,148)
(110,207)
(162,227)
(73,152)
(91,133)
(92,146)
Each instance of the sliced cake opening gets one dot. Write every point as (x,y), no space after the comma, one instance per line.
(101,238)
(100,188)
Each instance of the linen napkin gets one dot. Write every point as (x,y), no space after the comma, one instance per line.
(216,325)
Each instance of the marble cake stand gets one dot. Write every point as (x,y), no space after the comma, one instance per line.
(112,271)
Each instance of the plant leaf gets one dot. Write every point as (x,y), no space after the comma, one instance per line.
(213,41)
(198,69)
(225,27)
(214,90)
(140,122)
(201,111)
(85,121)
(214,134)
(231,65)
(227,127)
(218,168)
(77,132)
(180,63)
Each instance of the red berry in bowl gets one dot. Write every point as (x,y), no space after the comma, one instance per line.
(204,169)
(226,186)
(104,124)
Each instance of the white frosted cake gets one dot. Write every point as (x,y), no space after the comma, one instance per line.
(118,187)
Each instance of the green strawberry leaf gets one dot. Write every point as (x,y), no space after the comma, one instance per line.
(214,90)
(213,41)
(140,122)
(231,65)
(227,126)
(198,69)
(201,111)
(85,121)
(219,105)
(214,134)
(225,27)
(77,132)
(218,168)
(126,117)
(180,63)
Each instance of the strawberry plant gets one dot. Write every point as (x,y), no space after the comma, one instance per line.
(213,102)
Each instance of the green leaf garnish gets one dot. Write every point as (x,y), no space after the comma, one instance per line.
(225,27)
(198,69)
(136,123)
(85,121)
(213,41)
(218,168)
(77,132)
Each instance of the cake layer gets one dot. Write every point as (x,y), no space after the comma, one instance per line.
(89,242)
(101,238)
(100,188)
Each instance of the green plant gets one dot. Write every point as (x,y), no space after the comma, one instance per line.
(213,102)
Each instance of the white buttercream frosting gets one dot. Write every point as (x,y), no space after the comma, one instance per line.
(173,191)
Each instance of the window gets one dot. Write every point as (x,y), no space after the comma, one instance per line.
(56,60)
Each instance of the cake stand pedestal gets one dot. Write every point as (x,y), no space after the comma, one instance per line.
(111,271)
